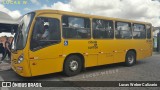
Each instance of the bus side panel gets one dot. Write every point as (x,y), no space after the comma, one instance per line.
(82,47)
(41,67)
(46,60)
(149,48)
(144,49)
(122,46)
(105,49)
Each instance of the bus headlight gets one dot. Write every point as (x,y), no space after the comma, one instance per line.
(20,58)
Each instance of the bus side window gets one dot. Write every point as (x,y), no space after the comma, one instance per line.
(76,27)
(123,30)
(46,32)
(139,31)
(102,29)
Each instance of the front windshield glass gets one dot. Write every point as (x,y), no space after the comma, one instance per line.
(20,38)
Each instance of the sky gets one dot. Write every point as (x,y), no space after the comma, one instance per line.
(140,10)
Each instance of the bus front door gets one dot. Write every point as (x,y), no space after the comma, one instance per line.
(46,45)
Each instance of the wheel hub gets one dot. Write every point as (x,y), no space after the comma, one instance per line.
(73,65)
(130,59)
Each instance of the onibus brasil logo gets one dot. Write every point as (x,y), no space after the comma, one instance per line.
(13,1)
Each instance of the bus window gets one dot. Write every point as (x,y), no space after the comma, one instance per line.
(123,30)
(139,31)
(102,29)
(46,32)
(148,28)
(76,27)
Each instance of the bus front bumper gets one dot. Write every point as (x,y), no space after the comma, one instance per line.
(20,70)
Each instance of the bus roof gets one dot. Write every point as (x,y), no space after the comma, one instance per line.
(87,15)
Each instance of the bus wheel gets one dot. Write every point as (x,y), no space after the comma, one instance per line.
(130,58)
(72,65)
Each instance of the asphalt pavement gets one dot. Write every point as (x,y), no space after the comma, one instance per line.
(145,70)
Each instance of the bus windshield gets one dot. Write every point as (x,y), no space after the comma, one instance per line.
(21,35)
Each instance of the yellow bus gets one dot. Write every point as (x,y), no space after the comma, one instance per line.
(49,41)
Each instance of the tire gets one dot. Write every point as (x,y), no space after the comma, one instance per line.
(130,59)
(72,65)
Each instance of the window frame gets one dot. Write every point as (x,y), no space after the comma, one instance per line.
(32,49)
(90,29)
(103,38)
(129,23)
